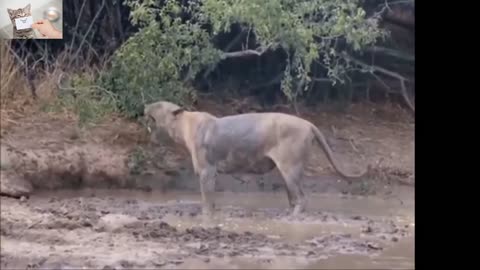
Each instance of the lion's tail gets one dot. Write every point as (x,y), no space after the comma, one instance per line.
(323,142)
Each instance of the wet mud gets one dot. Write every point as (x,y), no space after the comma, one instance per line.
(120,230)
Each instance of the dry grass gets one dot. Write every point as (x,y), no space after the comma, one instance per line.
(10,81)
(16,98)
(13,88)
(50,112)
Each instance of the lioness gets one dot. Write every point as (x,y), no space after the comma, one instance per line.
(250,143)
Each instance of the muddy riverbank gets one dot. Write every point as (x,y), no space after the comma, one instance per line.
(126,229)
(118,154)
(142,205)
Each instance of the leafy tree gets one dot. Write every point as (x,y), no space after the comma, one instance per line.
(176,42)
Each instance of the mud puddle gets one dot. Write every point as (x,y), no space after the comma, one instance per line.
(126,229)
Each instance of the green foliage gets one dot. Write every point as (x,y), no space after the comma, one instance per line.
(162,59)
(308,30)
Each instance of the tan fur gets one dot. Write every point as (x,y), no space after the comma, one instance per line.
(255,142)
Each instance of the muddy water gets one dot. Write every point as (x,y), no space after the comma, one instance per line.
(400,256)
(250,230)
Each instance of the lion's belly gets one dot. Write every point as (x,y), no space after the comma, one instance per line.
(241,164)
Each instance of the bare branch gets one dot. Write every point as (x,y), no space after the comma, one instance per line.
(384,84)
(227,48)
(391,52)
(405,96)
(76,25)
(118,16)
(234,41)
(259,51)
(321,79)
(19,59)
(240,53)
(374,68)
(410,25)
(87,32)
(248,35)
(92,49)
(401,2)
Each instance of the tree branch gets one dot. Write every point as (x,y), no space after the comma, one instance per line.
(387,87)
(390,18)
(234,41)
(391,52)
(405,96)
(70,49)
(373,68)
(227,48)
(87,33)
(321,79)
(259,51)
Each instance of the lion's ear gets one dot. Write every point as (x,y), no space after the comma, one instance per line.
(178,111)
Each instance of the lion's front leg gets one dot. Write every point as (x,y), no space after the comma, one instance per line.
(207,174)
(208,177)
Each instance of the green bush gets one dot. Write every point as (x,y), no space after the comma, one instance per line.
(159,62)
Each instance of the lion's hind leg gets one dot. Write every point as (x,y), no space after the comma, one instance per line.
(292,176)
(291,169)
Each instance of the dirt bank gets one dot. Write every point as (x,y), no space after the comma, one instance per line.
(54,153)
